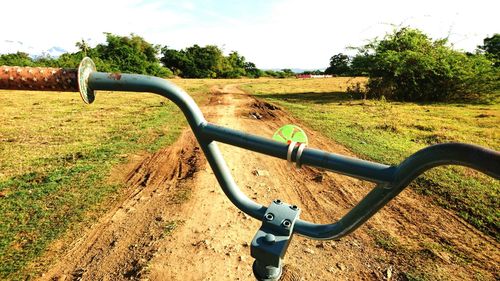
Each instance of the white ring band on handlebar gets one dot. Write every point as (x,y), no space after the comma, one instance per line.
(291,146)
(302,146)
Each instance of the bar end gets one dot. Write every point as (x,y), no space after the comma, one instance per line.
(86,67)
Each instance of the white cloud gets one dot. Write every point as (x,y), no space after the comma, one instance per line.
(43,24)
(307,33)
(286,33)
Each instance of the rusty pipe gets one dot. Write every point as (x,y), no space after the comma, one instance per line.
(38,78)
(49,79)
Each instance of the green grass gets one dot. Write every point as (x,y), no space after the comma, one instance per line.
(388,132)
(385,241)
(56,155)
(418,262)
(170,226)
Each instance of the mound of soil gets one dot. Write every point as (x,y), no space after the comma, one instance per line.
(264,110)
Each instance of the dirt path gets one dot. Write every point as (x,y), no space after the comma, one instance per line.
(176,224)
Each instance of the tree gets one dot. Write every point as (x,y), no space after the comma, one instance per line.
(287,72)
(491,47)
(83,46)
(119,54)
(194,62)
(252,71)
(130,54)
(339,65)
(361,64)
(235,66)
(207,62)
(175,60)
(17,59)
(407,65)
(313,72)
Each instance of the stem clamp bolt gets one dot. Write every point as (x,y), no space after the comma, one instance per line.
(269,216)
(286,223)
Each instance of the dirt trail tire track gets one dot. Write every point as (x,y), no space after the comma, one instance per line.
(210,237)
(122,242)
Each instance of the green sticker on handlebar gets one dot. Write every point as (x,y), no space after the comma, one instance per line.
(289,133)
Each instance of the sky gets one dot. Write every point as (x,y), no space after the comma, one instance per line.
(271,33)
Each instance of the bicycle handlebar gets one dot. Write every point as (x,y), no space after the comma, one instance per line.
(391,180)
(38,78)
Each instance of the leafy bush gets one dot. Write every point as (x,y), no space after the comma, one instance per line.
(408,66)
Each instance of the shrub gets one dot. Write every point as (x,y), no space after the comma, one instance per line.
(408,66)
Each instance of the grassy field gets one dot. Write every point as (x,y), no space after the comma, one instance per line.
(56,154)
(388,132)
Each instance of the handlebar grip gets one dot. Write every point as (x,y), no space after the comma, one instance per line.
(50,79)
(39,78)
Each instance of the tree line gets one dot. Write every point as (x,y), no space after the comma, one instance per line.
(119,54)
(133,54)
(404,65)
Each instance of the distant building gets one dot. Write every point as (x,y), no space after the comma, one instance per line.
(305,76)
